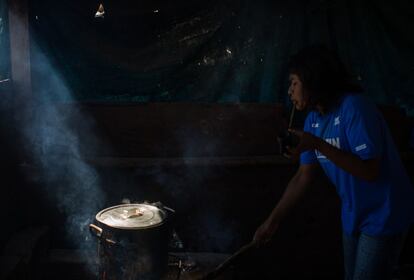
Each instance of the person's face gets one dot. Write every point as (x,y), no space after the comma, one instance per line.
(296,92)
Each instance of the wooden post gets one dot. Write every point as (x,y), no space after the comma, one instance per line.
(20,47)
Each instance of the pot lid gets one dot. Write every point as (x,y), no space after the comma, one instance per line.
(132,216)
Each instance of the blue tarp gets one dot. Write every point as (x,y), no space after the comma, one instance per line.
(4,43)
(214,51)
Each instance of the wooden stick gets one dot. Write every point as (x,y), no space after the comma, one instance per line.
(292,113)
(219,269)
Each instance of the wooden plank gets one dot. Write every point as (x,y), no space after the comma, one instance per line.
(190,161)
(20,47)
(177,130)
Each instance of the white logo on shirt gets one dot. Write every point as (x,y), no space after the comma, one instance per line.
(336,122)
(334,142)
(319,155)
(361,147)
(316,125)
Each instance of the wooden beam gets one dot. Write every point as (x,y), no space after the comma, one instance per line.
(20,47)
(188,161)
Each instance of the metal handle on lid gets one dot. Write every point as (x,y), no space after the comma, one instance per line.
(132,213)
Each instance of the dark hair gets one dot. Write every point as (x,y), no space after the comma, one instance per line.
(323,75)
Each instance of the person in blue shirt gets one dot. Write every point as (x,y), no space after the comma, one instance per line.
(346,135)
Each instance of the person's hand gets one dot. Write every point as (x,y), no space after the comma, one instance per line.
(307,141)
(264,233)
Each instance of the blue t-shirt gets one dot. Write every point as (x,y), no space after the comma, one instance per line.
(382,207)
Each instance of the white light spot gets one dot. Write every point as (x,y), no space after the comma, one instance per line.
(228,51)
(101,11)
(156,11)
(361,147)
(208,61)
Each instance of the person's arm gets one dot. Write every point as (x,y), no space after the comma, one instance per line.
(294,191)
(365,169)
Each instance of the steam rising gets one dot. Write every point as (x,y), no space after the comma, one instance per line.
(70,185)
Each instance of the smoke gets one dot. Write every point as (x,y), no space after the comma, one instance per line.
(52,137)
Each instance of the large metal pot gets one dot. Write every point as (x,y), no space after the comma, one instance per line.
(133,241)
